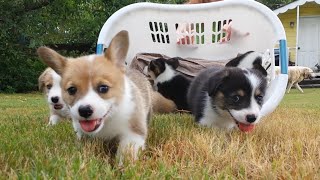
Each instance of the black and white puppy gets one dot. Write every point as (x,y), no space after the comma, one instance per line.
(227,97)
(168,82)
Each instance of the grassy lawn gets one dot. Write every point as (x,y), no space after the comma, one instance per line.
(285,145)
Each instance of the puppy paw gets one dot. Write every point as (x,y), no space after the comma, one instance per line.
(53,120)
(79,135)
(129,148)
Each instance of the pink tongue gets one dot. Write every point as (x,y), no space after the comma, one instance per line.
(245,127)
(88,126)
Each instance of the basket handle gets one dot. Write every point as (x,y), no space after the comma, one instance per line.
(277,87)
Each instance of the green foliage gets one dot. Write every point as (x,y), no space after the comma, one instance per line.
(28,24)
(274,4)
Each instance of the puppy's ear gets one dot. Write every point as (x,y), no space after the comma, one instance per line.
(216,80)
(260,68)
(118,49)
(173,62)
(52,59)
(236,61)
(257,65)
(233,62)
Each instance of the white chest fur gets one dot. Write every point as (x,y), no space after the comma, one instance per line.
(212,119)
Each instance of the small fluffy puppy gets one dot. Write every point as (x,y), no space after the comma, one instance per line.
(227,97)
(168,82)
(296,74)
(49,84)
(106,100)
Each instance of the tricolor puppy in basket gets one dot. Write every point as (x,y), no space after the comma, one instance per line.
(49,84)
(106,100)
(168,82)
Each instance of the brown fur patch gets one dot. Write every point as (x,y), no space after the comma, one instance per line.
(83,73)
(105,72)
(161,104)
(118,48)
(52,59)
(257,92)
(219,99)
(241,92)
(45,80)
(157,72)
(152,76)
(75,74)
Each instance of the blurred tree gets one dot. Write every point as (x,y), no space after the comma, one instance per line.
(274,4)
(71,26)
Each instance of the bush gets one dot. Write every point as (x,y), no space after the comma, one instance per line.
(28,24)
(19,70)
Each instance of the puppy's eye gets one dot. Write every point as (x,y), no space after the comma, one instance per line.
(259,98)
(72,90)
(49,86)
(103,89)
(235,98)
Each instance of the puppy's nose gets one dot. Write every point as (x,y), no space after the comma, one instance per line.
(251,118)
(85,111)
(55,99)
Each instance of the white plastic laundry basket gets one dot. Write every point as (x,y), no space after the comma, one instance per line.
(153,29)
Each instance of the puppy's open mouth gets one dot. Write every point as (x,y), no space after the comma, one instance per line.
(92,124)
(244,127)
(58,106)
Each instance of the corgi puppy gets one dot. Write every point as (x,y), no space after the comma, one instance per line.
(227,97)
(49,84)
(168,82)
(106,100)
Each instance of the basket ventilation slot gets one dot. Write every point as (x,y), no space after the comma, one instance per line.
(218,34)
(190,33)
(159,32)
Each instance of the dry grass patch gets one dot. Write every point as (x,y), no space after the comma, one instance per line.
(285,145)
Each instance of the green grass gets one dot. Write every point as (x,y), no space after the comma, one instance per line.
(284,145)
(309,99)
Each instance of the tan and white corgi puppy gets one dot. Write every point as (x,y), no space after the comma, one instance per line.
(49,84)
(106,100)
